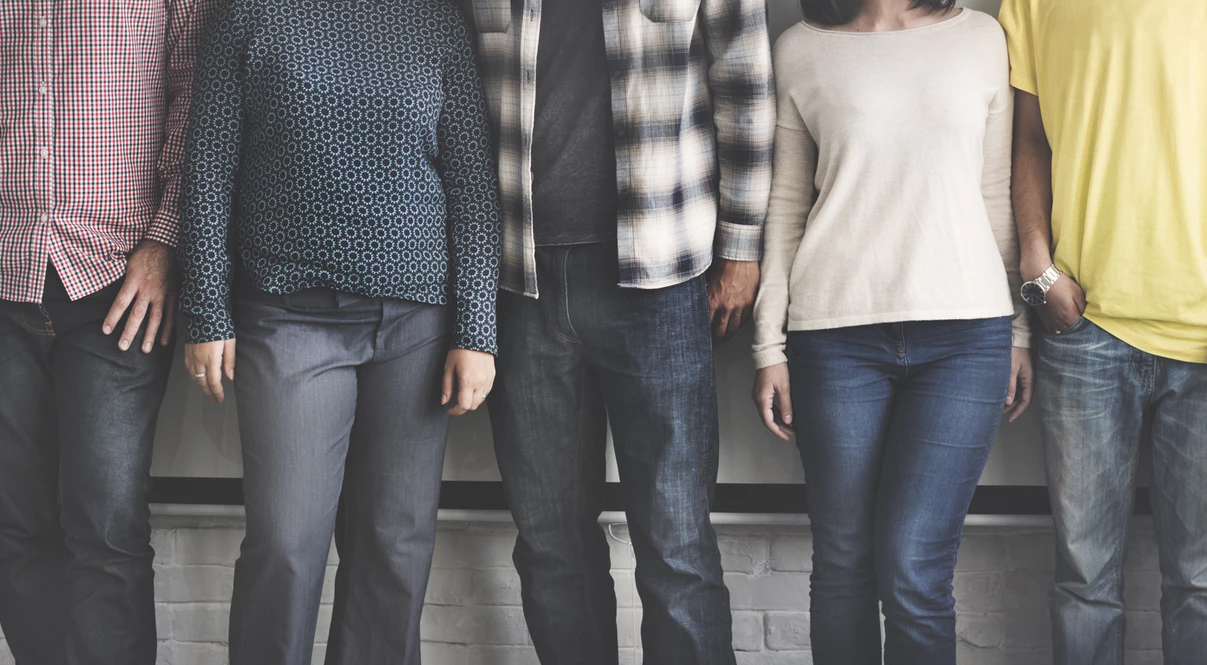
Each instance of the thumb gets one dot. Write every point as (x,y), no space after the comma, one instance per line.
(784,400)
(446,387)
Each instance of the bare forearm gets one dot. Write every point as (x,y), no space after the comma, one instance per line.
(1032,188)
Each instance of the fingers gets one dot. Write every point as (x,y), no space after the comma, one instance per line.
(446,386)
(118,309)
(767,413)
(195,364)
(169,320)
(784,401)
(213,374)
(1026,388)
(228,359)
(1012,388)
(720,322)
(153,322)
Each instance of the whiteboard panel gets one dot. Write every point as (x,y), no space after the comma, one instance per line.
(199,439)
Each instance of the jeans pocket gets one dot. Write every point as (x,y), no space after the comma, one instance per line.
(670,11)
(1078,325)
(492,15)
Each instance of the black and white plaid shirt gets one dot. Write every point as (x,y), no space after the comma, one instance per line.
(693,106)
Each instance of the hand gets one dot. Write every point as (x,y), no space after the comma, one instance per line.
(208,362)
(468,377)
(150,288)
(1022,383)
(1066,303)
(771,394)
(731,289)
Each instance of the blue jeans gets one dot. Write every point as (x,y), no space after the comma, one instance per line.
(1099,398)
(77,424)
(585,353)
(894,423)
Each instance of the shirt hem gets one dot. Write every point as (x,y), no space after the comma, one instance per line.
(1119,330)
(804,325)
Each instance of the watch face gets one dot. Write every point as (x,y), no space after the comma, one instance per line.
(1034,294)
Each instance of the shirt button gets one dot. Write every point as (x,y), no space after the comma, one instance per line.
(44,152)
(42,89)
(42,23)
(45,218)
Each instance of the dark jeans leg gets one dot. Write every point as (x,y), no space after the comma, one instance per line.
(1091,396)
(842,397)
(105,402)
(108,403)
(895,423)
(550,429)
(945,418)
(653,351)
(32,555)
(386,529)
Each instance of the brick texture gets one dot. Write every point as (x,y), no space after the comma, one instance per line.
(473,614)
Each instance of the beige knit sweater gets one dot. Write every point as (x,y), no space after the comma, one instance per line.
(891,195)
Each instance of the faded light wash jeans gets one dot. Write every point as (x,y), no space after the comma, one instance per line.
(894,423)
(646,357)
(1098,399)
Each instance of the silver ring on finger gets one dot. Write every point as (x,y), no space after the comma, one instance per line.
(199,376)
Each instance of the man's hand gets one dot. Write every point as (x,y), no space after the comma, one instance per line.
(468,378)
(773,398)
(1066,303)
(208,362)
(149,293)
(1022,383)
(731,289)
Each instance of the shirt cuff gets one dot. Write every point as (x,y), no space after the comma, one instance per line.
(739,242)
(769,358)
(209,328)
(165,228)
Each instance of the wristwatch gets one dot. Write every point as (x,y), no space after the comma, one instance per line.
(1035,292)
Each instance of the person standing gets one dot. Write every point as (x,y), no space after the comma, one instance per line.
(886,335)
(634,150)
(1110,185)
(339,173)
(93,106)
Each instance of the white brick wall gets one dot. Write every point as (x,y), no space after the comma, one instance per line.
(473,615)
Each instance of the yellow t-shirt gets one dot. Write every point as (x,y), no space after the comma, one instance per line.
(1122,86)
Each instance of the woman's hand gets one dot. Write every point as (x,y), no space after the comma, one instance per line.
(208,362)
(771,394)
(1022,383)
(468,377)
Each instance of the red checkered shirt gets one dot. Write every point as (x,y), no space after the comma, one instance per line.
(93,100)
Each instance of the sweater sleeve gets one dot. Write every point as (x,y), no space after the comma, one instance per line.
(471,194)
(792,194)
(211,161)
(995,187)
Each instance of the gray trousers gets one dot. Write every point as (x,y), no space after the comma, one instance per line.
(342,433)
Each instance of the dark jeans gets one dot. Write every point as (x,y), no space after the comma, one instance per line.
(1099,398)
(343,432)
(585,353)
(77,424)
(894,424)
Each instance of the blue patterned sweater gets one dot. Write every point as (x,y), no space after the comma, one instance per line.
(342,144)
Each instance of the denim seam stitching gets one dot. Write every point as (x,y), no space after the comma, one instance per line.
(47,329)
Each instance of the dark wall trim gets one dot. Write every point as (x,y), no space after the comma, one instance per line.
(731,497)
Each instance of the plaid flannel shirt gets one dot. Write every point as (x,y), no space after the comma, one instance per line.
(693,105)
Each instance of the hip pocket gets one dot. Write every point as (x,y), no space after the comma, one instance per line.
(670,11)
